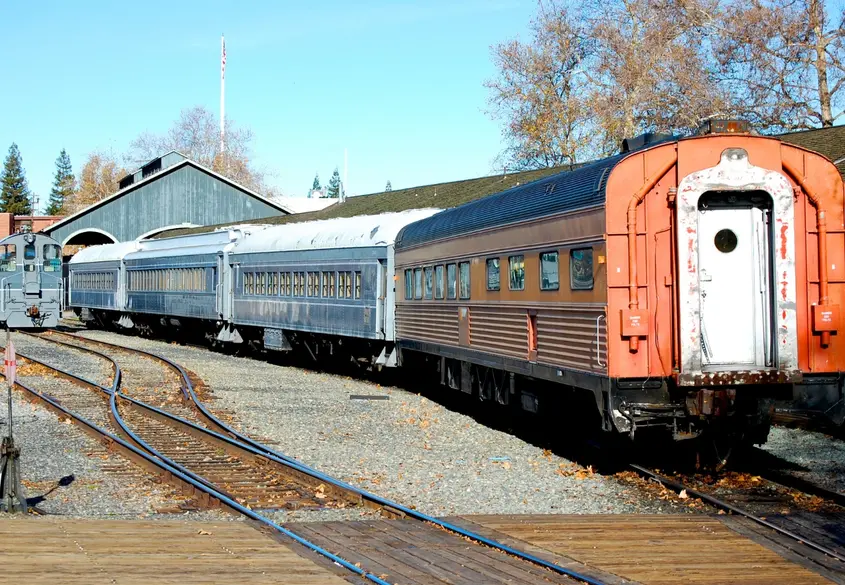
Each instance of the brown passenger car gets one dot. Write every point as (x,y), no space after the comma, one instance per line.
(677,284)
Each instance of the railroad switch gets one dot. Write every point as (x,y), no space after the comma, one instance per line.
(13,499)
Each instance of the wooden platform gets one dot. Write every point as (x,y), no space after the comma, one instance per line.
(653,549)
(89,552)
(612,549)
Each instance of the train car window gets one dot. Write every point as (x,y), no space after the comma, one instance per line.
(409,284)
(357,285)
(332,277)
(418,283)
(9,260)
(325,284)
(52,258)
(429,282)
(341,284)
(549,271)
(438,281)
(275,291)
(494,278)
(348,285)
(581,269)
(29,252)
(516,271)
(451,281)
(464,280)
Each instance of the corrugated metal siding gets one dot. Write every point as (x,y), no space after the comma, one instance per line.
(565,191)
(435,324)
(184,195)
(503,331)
(568,338)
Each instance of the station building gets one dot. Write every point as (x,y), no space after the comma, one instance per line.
(168,192)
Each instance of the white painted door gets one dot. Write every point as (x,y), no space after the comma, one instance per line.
(734,283)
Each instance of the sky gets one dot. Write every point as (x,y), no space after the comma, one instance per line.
(399,85)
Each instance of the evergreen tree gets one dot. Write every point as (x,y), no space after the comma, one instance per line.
(334,185)
(388,187)
(316,185)
(14,197)
(64,185)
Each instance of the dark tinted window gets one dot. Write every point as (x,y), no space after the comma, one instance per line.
(581,268)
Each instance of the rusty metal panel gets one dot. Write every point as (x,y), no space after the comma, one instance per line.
(499,330)
(432,323)
(573,338)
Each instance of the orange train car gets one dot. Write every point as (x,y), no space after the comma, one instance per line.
(684,286)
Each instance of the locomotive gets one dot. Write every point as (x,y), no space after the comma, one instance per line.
(680,287)
(31,281)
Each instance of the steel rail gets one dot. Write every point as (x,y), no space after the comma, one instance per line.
(188,391)
(722,505)
(150,456)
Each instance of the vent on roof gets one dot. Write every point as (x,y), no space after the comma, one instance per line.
(126,181)
(151,168)
(643,140)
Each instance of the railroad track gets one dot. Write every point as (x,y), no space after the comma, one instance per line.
(815,534)
(223,467)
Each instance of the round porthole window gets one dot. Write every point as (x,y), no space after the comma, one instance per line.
(725,241)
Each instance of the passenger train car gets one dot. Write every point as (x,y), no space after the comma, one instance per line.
(680,287)
(31,281)
(683,286)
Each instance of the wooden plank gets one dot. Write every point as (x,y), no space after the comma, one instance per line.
(542,553)
(655,549)
(59,550)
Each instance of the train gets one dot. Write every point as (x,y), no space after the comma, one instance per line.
(679,288)
(31,280)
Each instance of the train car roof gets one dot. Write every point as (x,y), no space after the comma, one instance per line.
(38,235)
(565,191)
(344,232)
(104,252)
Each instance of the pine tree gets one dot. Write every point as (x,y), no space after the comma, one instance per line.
(388,187)
(14,197)
(64,185)
(334,185)
(315,186)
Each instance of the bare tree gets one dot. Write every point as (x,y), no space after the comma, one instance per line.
(539,92)
(651,70)
(595,74)
(98,179)
(784,61)
(196,134)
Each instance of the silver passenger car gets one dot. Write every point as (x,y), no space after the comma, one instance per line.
(31,281)
(319,283)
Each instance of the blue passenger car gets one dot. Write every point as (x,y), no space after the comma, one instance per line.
(331,277)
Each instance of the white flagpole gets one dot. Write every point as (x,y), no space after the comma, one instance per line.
(222,95)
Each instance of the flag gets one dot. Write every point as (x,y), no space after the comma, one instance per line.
(223,57)
(10,363)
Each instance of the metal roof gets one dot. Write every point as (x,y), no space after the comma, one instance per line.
(104,252)
(345,232)
(156,176)
(566,191)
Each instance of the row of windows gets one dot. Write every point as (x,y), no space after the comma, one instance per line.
(428,282)
(52,259)
(580,271)
(168,279)
(341,285)
(93,280)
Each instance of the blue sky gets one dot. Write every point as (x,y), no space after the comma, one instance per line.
(399,84)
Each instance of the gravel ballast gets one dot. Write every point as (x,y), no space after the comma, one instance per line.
(406,447)
(814,456)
